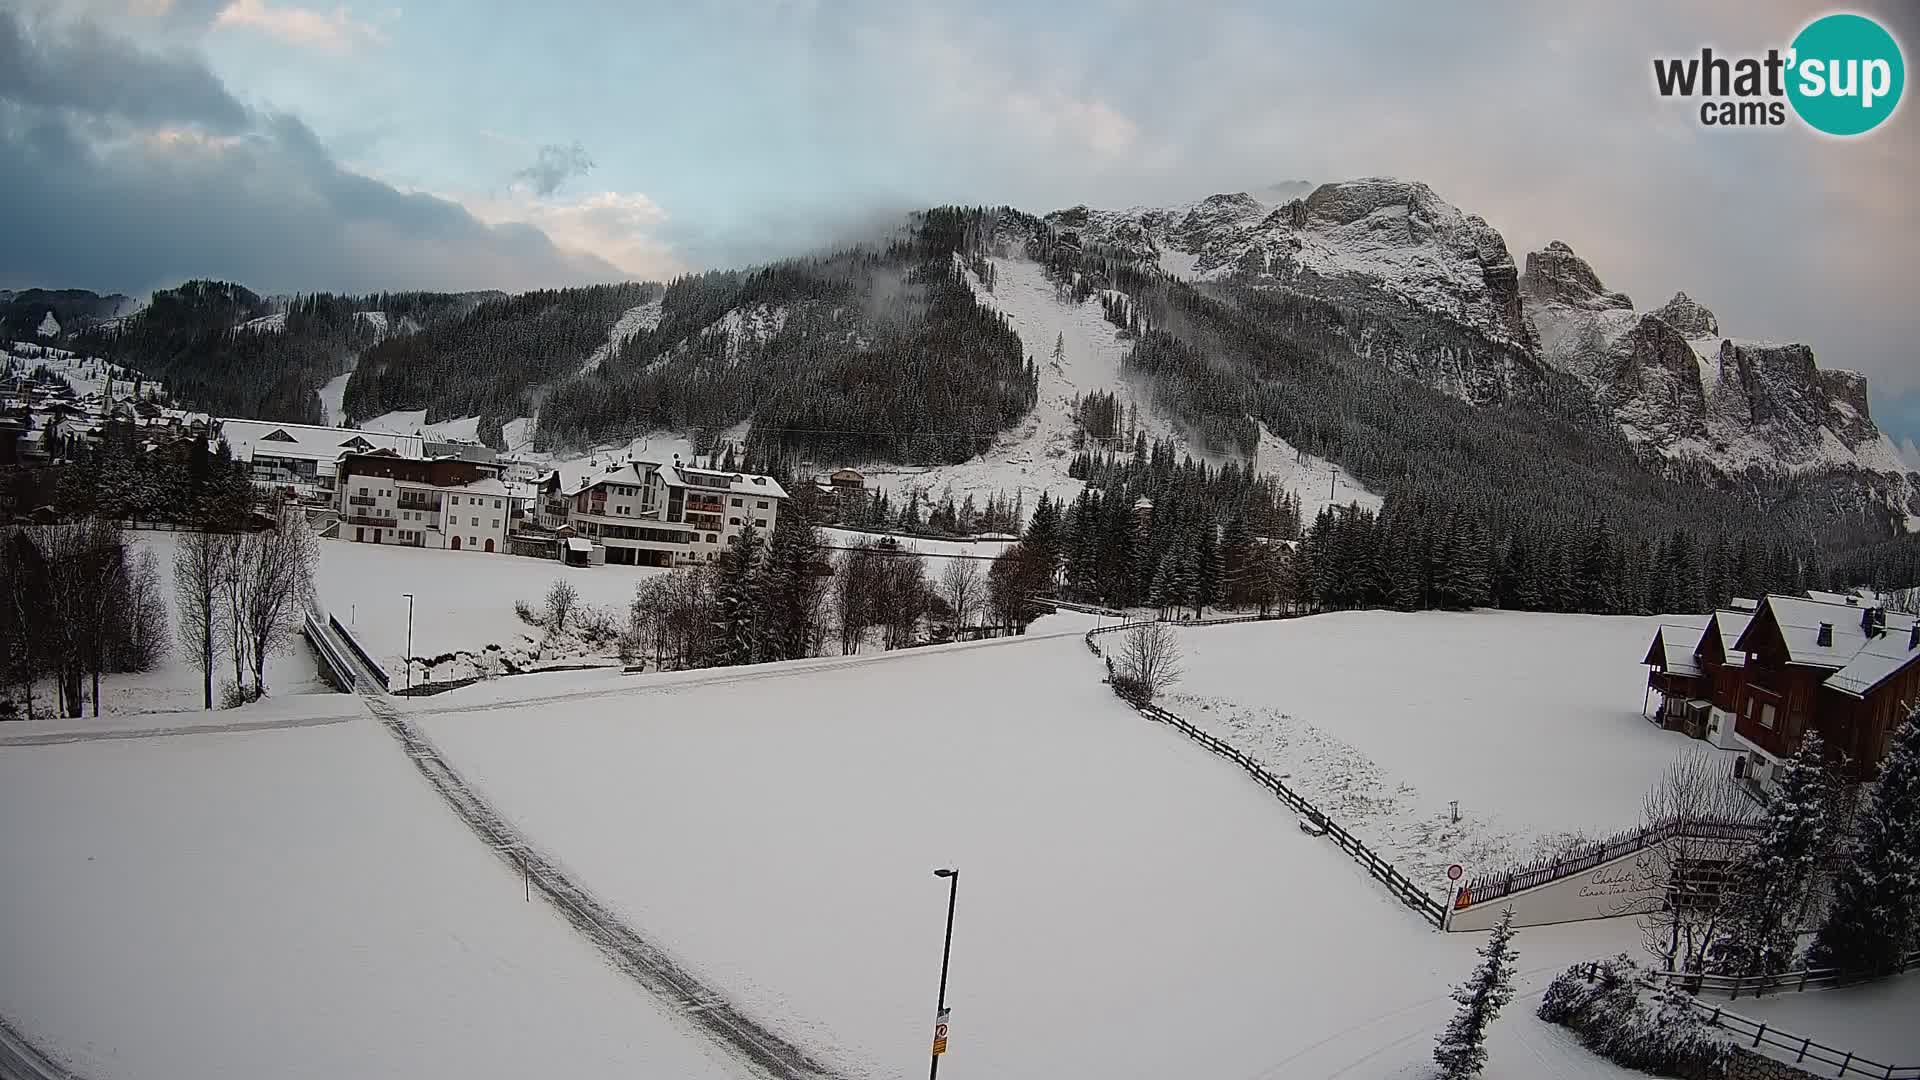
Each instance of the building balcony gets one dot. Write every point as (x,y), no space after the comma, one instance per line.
(376,520)
(362,500)
(1770,739)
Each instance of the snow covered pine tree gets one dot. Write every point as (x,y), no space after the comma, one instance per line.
(1770,887)
(1462,1049)
(1875,914)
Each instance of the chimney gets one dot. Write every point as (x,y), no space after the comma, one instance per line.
(1913,639)
(1825,637)
(1873,621)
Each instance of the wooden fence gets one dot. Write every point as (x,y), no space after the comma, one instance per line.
(1805,1051)
(1733,986)
(1381,870)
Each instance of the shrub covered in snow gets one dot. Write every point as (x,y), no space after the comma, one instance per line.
(1621,1018)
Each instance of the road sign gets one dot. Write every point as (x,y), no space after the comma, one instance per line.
(940,1032)
(1454,872)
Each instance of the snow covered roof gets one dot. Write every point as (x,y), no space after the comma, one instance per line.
(580,544)
(1741,603)
(1673,646)
(1730,625)
(754,484)
(246,437)
(1800,620)
(1884,656)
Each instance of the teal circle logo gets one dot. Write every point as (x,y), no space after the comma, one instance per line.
(1846,75)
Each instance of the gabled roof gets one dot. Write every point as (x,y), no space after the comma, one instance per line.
(763,487)
(1723,632)
(1798,620)
(1673,647)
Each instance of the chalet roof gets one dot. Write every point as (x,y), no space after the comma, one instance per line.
(1730,625)
(1799,619)
(1741,603)
(1883,657)
(1673,648)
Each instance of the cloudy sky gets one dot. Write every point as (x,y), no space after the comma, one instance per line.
(302,144)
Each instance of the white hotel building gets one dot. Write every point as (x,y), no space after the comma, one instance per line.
(648,514)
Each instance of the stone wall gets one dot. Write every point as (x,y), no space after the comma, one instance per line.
(1747,1065)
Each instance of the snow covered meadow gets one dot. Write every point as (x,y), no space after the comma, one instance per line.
(462,600)
(291,903)
(1532,722)
(1129,904)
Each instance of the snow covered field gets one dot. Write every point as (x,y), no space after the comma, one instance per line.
(1130,904)
(935,554)
(463,600)
(291,903)
(1381,718)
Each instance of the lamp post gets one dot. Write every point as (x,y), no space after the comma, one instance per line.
(409,656)
(952,874)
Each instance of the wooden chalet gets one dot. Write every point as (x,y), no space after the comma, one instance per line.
(1758,681)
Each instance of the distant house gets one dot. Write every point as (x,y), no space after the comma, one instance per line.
(1758,681)
(439,503)
(301,459)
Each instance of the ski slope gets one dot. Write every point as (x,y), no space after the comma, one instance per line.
(1130,906)
(292,903)
(333,397)
(631,321)
(414,422)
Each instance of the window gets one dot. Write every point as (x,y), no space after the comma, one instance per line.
(455,499)
(712,539)
(1766,717)
(471,541)
(761,505)
(363,491)
(736,502)
(476,523)
(759,523)
(496,504)
(733,521)
(496,523)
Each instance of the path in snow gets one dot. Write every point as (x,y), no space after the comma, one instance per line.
(699,1004)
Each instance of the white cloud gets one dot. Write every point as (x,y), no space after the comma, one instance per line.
(334,31)
(621,227)
(1909,453)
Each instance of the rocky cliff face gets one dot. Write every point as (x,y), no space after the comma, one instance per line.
(1390,248)
(1683,389)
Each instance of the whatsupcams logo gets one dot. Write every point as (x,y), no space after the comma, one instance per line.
(1842,75)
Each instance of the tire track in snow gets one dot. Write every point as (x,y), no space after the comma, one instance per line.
(700,1006)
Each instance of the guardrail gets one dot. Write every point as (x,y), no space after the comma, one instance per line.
(373,668)
(1789,981)
(1381,870)
(339,671)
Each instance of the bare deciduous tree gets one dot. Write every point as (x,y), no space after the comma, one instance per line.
(855,588)
(284,557)
(1150,656)
(1696,788)
(961,583)
(199,567)
(562,598)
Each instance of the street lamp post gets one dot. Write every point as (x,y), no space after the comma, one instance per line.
(952,874)
(409,656)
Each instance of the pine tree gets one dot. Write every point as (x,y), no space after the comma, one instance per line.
(1769,888)
(789,589)
(1043,534)
(1462,1049)
(1875,914)
(736,601)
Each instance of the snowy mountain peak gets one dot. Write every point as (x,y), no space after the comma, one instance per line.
(1556,275)
(1686,315)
